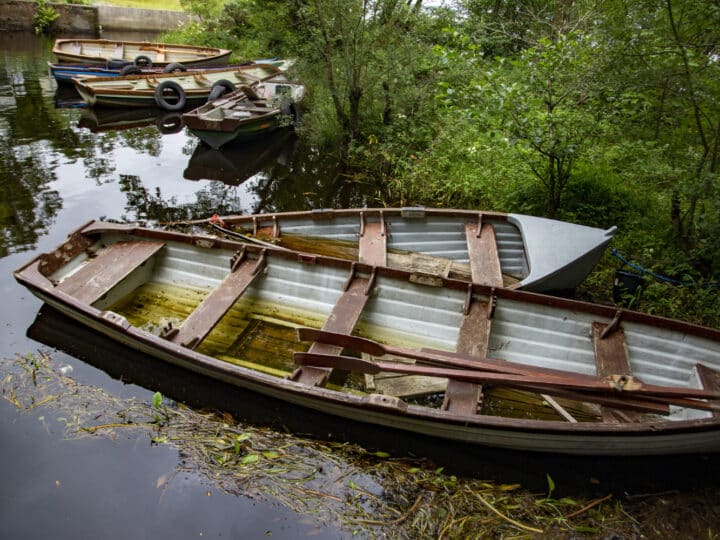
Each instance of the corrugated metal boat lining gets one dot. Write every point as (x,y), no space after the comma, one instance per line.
(536,335)
(434,315)
(666,360)
(438,236)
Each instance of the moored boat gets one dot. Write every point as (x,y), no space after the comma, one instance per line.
(533,253)
(169,91)
(102,51)
(246,113)
(65,73)
(606,381)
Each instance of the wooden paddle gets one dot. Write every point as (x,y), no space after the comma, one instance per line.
(614,385)
(439,358)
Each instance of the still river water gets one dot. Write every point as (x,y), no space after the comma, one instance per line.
(60,166)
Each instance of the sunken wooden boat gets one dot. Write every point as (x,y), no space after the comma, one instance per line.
(535,254)
(602,381)
(246,113)
(65,73)
(102,51)
(169,91)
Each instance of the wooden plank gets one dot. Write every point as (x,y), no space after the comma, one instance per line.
(119,51)
(464,397)
(710,380)
(483,254)
(373,244)
(111,265)
(214,307)
(342,319)
(611,358)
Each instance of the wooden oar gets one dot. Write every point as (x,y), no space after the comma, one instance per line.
(438,358)
(614,385)
(374,348)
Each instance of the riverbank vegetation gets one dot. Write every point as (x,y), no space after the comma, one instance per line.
(340,486)
(600,113)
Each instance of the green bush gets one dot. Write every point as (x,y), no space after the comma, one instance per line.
(45,15)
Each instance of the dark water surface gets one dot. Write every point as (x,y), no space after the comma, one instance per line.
(62,165)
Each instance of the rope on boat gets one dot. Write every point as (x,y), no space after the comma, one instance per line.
(665,279)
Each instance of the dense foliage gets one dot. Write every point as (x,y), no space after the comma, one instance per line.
(604,113)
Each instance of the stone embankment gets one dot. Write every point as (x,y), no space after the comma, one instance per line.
(18,15)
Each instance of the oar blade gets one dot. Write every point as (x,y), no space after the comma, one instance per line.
(345,341)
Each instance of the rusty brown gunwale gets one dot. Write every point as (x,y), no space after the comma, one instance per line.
(31,276)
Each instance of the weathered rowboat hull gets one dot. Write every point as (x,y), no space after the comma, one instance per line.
(139,90)
(536,254)
(240,116)
(100,51)
(391,306)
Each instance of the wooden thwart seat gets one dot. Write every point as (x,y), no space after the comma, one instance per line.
(213,308)
(100,274)
(464,397)
(373,244)
(611,358)
(342,319)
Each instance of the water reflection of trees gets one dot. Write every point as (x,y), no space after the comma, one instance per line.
(314,178)
(27,207)
(143,204)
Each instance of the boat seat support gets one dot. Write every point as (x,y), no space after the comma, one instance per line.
(612,358)
(342,319)
(213,308)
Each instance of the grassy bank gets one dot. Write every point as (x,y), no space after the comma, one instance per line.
(170,5)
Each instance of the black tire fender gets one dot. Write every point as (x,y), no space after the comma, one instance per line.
(174,66)
(115,63)
(130,69)
(143,61)
(170,87)
(219,88)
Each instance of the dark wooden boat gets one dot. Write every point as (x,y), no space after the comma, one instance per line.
(101,51)
(247,113)
(603,381)
(440,241)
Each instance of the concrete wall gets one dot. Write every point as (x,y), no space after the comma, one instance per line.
(17,15)
(141,20)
